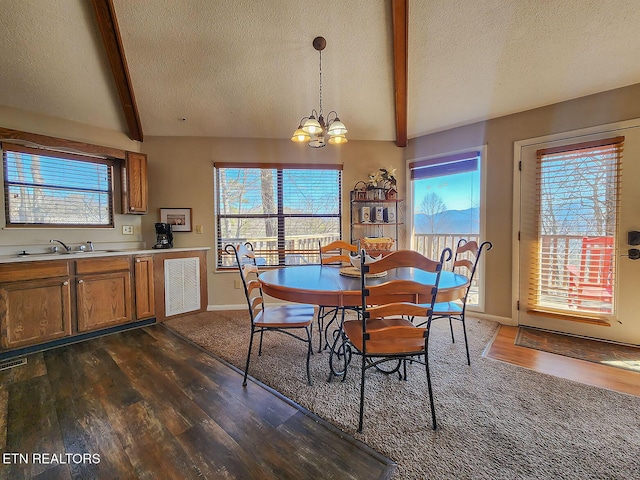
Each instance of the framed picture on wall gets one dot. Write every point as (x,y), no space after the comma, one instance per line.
(178,218)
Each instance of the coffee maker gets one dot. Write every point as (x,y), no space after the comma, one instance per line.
(164,236)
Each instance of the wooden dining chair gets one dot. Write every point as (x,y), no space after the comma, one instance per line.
(286,319)
(384,334)
(335,253)
(466,258)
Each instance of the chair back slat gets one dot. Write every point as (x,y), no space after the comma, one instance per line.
(256,304)
(464,263)
(333,253)
(406,259)
(252,285)
(396,287)
(396,332)
(399,309)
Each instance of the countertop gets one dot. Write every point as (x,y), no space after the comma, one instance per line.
(76,255)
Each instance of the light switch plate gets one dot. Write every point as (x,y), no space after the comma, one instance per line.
(127,229)
(198,228)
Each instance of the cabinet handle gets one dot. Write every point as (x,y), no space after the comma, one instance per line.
(80,281)
(137,260)
(65,283)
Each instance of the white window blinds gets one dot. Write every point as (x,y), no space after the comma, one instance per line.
(575,216)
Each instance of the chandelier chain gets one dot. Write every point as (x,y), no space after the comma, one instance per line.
(320,113)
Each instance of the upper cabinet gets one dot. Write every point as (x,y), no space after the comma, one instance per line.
(135,191)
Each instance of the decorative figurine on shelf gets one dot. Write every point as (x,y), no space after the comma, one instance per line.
(360,191)
(391,194)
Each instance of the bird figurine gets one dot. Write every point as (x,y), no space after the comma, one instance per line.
(355,259)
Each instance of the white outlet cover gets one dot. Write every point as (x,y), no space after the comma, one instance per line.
(127,229)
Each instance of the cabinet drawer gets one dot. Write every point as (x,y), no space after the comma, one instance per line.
(15,272)
(101,265)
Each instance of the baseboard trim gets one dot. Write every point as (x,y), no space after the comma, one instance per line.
(493,318)
(484,316)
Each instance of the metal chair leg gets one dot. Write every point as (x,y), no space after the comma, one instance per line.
(309,331)
(246,367)
(260,348)
(431,402)
(453,340)
(361,395)
(466,344)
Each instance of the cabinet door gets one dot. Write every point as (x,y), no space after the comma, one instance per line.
(143,275)
(34,311)
(135,188)
(103,300)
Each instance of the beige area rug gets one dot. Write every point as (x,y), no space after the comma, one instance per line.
(495,420)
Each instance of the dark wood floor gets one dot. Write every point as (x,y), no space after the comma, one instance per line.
(146,404)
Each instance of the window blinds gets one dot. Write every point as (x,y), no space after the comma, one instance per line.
(50,188)
(284,210)
(575,216)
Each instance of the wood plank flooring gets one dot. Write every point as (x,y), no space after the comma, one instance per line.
(590,373)
(146,404)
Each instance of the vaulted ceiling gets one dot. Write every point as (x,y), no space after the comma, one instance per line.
(243,68)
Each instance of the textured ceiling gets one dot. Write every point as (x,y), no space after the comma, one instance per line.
(243,68)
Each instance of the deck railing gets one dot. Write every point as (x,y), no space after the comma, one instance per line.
(300,249)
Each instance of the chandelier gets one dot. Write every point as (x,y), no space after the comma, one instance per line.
(314,129)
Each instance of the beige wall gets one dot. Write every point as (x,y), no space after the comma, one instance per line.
(14,240)
(181,176)
(499,135)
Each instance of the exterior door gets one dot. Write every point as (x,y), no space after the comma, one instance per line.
(575,211)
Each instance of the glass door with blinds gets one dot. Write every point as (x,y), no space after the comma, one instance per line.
(573,223)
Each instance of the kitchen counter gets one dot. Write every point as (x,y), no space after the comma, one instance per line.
(77,255)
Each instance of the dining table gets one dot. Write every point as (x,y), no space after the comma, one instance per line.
(340,287)
(330,285)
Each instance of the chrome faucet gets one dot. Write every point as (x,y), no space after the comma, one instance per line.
(61,243)
(90,243)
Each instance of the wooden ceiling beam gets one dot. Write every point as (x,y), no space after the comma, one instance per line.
(106,17)
(400,19)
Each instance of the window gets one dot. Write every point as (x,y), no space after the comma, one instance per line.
(446,205)
(575,228)
(46,188)
(284,210)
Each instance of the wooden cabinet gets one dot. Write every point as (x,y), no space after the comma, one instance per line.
(144,287)
(135,191)
(56,300)
(35,303)
(103,292)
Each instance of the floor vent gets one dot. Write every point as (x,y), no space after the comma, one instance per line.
(12,363)
(182,285)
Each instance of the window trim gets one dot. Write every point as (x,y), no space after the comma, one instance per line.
(37,150)
(280,215)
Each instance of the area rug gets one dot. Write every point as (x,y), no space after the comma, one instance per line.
(495,420)
(615,355)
